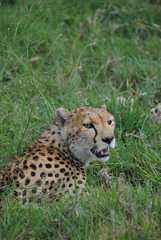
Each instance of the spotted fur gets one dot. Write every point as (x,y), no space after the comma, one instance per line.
(56,161)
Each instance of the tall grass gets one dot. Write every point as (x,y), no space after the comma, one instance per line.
(61,53)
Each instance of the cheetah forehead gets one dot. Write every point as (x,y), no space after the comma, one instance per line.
(89,112)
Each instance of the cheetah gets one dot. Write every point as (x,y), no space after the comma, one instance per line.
(57,161)
(156,113)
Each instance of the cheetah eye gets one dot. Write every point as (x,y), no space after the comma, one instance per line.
(109,122)
(88,125)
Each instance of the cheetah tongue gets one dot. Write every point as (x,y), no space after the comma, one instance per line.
(102,153)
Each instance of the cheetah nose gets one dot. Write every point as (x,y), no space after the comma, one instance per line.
(108,140)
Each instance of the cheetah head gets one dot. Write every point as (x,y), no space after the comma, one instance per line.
(88,132)
(156,113)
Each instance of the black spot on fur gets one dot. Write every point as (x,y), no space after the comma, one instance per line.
(34,190)
(59,154)
(38,150)
(80,182)
(74,177)
(22,154)
(24,162)
(35,158)
(25,167)
(27,181)
(56,175)
(33,166)
(15,194)
(21,175)
(33,174)
(49,159)
(56,165)
(14,178)
(50,174)
(82,169)
(24,192)
(17,184)
(40,165)
(57,158)
(48,165)
(29,149)
(42,175)
(62,170)
(42,154)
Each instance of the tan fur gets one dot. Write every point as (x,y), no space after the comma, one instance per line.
(56,161)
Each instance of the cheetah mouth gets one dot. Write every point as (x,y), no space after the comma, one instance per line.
(101,154)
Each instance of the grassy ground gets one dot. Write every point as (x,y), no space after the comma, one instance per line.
(74,53)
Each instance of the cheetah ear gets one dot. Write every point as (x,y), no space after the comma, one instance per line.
(62,116)
(104,107)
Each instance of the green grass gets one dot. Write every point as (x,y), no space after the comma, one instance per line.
(73,53)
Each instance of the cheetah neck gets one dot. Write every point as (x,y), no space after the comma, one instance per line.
(51,139)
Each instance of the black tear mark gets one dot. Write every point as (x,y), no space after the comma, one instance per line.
(95,134)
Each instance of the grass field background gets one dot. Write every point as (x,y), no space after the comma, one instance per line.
(73,53)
